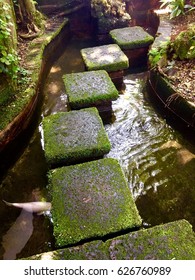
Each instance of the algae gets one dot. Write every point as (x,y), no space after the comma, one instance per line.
(131,37)
(74,136)
(91,200)
(107,57)
(88,88)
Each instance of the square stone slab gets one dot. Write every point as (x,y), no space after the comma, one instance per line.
(87,89)
(107,57)
(131,37)
(175,240)
(75,136)
(91,200)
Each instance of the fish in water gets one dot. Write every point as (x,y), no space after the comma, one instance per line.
(18,235)
(170,144)
(184,155)
(38,207)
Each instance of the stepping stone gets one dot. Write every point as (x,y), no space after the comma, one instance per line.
(76,136)
(90,89)
(134,42)
(107,57)
(91,200)
(174,240)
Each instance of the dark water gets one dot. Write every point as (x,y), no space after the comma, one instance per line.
(158,162)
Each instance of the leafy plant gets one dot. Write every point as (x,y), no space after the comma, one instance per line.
(177,7)
(8,55)
(159,55)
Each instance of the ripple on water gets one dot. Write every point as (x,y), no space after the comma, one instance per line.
(136,136)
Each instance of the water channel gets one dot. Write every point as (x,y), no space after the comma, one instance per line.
(158,162)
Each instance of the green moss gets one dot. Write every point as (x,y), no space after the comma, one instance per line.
(106,57)
(131,37)
(94,250)
(14,102)
(91,200)
(184,44)
(174,240)
(87,88)
(6,94)
(74,136)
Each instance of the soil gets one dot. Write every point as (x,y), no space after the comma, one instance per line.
(183,72)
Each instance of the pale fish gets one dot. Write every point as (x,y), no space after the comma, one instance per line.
(18,235)
(185,156)
(38,207)
(171,144)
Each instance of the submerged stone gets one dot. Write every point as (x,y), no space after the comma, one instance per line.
(174,240)
(91,200)
(88,89)
(107,57)
(131,37)
(75,136)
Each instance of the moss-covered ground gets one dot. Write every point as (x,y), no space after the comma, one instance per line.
(91,200)
(14,100)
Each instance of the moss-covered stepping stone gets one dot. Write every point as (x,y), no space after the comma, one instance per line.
(93,88)
(135,42)
(131,37)
(107,57)
(91,200)
(175,240)
(74,136)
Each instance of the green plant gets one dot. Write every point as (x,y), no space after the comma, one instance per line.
(177,7)
(159,55)
(8,55)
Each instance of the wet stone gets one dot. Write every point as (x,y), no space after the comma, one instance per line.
(174,240)
(86,89)
(107,57)
(76,136)
(131,37)
(91,200)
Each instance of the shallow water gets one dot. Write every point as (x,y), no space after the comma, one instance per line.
(158,161)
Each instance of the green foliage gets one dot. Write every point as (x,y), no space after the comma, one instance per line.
(156,55)
(177,7)
(8,55)
(184,44)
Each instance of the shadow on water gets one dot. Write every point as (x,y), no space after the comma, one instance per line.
(157,160)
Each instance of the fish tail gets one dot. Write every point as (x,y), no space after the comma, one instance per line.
(7,203)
